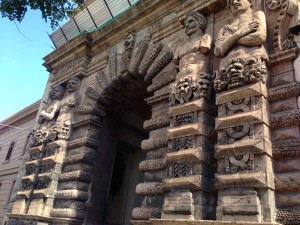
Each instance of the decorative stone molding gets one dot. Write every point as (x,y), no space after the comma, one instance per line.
(286,149)
(285,119)
(283,92)
(288,216)
(156,123)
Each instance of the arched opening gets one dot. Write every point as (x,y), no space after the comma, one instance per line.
(117,159)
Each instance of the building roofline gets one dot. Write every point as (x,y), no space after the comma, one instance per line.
(31,109)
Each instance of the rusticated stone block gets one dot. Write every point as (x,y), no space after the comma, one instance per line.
(252,146)
(155,154)
(76,175)
(155,176)
(287,181)
(153,188)
(87,158)
(152,164)
(286,149)
(144,213)
(291,134)
(199,104)
(284,92)
(156,123)
(253,117)
(196,182)
(68,213)
(77,185)
(36,207)
(69,204)
(19,207)
(255,180)
(284,105)
(78,166)
(257,89)
(285,119)
(188,155)
(72,195)
(190,129)
(154,143)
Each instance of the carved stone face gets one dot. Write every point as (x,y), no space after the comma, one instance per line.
(191,25)
(238,6)
(129,40)
(56,93)
(72,84)
(64,132)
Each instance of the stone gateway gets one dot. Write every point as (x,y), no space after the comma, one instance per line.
(176,112)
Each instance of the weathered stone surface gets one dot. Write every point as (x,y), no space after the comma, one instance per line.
(190,129)
(154,188)
(68,213)
(188,155)
(76,175)
(283,92)
(152,165)
(145,213)
(254,146)
(199,104)
(72,194)
(257,179)
(287,181)
(195,182)
(156,123)
(257,116)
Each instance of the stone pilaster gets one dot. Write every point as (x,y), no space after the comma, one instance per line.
(245,178)
(189,173)
(154,167)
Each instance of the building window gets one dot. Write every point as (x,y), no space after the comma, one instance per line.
(10,150)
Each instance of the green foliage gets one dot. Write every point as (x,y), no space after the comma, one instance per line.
(52,10)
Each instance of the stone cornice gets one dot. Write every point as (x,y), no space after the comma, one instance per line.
(24,113)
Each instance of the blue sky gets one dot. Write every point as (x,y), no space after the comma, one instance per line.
(22,76)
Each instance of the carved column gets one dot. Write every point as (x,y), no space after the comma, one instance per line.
(245,174)
(187,186)
(154,165)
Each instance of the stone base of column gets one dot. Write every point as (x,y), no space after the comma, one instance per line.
(195,222)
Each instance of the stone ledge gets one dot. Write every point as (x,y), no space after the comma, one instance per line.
(195,222)
(252,117)
(188,155)
(251,180)
(150,188)
(257,89)
(195,182)
(254,146)
(199,104)
(187,130)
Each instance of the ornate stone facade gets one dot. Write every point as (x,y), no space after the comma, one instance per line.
(222,121)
